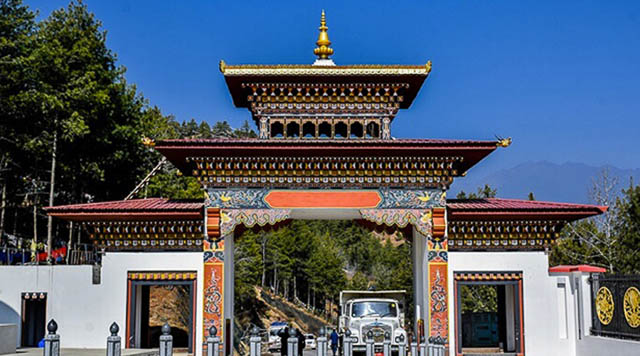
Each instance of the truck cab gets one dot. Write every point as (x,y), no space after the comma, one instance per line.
(376,311)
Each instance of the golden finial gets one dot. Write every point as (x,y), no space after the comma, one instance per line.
(323,51)
(149,142)
(222,65)
(503,142)
(428,66)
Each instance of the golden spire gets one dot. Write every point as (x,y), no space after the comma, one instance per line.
(323,51)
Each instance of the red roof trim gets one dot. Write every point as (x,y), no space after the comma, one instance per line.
(516,209)
(577,268)
(135,209)
(324,143)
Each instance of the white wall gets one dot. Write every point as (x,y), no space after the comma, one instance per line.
(599,346)
(588,345)
(85,311)
(541,332)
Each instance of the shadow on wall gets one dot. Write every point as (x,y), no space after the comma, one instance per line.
(8,315)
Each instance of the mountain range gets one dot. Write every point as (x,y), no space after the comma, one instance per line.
(567,182)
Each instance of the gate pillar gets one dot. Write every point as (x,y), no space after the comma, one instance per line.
(218,290)
(437,279)
(214,275)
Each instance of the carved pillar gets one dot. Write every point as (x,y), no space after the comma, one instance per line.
(218,258)
(386,130)
(437,260)
(213,275)
(264,128)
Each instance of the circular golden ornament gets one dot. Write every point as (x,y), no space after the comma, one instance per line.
(604,305)
(632,306)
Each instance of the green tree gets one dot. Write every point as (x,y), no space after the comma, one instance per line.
(17,35)
(245,131)
(482,193)
(359,281)
(221,129)
(610,240)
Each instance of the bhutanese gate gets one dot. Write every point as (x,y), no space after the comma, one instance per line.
(326,151)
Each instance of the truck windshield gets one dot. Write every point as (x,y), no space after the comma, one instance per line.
(379,309)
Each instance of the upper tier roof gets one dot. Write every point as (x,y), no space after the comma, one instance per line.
(238,77)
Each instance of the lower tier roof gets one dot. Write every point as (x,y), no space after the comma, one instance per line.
(490,209)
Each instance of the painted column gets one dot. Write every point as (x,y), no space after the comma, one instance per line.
(437,252)
(213,289)
(225,210)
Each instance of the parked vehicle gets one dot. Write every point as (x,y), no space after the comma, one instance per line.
(310,341)
(376,311)
(274,338)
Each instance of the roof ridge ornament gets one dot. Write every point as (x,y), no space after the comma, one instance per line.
(323,51)
(503,142)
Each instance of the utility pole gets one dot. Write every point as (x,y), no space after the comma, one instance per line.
(51,190)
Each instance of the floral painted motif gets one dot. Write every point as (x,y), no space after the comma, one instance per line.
(438,256)
(438,323)
(412,198)
(214,257)
(213,297)
(390,198)
(236,198)
(229,219)
(420,219)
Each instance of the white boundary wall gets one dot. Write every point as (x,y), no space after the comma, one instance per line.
(580,320)
(85,311)
(541,332)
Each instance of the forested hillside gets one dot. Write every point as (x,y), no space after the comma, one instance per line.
(310,262)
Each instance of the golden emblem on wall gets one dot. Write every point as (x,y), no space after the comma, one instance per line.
(604,305)
(632,306)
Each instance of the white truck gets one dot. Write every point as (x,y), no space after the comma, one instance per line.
(380,312)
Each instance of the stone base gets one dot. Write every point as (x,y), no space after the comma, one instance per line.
(8,338)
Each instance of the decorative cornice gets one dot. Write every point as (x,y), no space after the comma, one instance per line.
(311,70)
(400,218)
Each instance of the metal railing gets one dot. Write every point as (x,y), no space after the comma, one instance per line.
(421,349)
(614,306)
(213,343)
(81,254)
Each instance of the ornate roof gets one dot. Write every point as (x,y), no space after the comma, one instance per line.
(134,209)
(516,209)
(462,154)
(457,209)
(240,78)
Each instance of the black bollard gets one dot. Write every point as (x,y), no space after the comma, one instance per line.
(52,340)
(113,341)
(166,341)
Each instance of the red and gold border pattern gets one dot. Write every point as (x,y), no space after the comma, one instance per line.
(492,276)
(164,276)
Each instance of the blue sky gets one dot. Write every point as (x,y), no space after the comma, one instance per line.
(560,77)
